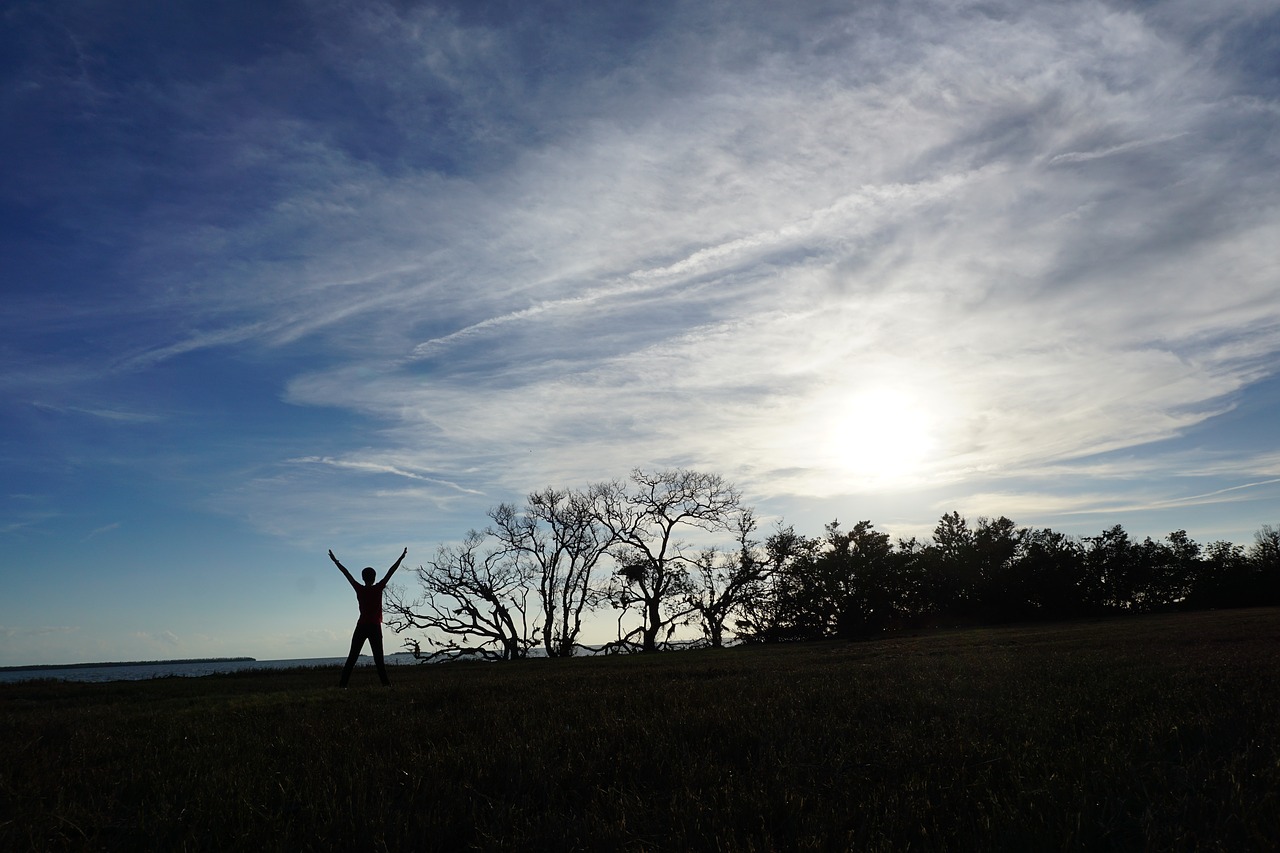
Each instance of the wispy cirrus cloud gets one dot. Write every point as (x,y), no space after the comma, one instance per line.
(379,468)
(703,284)
(1044,227)
(158,638)
(11,632)
(1098,153)
(112,415)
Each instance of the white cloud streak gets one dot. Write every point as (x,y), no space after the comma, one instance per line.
(164,638)
(110,415)
(106,528)
(380,468)
(1132,145)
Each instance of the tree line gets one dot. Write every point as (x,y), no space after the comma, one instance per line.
(533,574)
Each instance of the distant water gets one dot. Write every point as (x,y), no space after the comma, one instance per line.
(143,672)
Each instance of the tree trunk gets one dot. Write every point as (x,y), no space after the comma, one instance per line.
(653,625)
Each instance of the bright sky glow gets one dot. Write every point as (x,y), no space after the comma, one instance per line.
(286,277)
(879,437)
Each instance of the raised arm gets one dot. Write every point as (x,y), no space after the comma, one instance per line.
(391,571)
(350,579)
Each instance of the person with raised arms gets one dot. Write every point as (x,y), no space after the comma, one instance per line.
(369,625)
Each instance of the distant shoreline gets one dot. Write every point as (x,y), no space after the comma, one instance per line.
(40,667)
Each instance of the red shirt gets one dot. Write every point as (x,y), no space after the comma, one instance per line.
(370,598)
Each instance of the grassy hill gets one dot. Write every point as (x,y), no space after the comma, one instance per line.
(1152,732)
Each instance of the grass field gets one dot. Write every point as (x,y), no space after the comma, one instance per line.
(1158,732)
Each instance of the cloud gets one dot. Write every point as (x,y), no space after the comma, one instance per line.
(1132,145)
(1137,499)
(378,468)
(110,415)
(28,514)
(704,284)
(1045,228)
(11,631)
(162,638)
(1226,495)
(195,342)
(106,528)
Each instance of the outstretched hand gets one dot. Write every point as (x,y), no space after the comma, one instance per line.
(391,571)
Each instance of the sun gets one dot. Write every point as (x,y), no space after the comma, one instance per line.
(883,436)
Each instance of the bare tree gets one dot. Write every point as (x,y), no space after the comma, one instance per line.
(724,582)
(557,542)
(644,521)
(476,596)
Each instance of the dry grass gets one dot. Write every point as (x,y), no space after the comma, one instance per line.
(1154,732)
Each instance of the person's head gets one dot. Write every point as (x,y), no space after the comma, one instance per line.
(369,575)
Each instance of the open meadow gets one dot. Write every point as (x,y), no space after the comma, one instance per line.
(1155,732)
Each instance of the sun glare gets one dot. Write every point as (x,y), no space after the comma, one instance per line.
(883,436)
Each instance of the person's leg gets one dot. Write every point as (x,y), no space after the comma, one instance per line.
(357,643)
(375,644)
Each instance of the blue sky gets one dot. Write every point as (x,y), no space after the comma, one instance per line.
(286,277)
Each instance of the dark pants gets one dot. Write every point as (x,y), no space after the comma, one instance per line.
(371,631)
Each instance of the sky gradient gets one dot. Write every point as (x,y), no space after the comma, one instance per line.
(285,277)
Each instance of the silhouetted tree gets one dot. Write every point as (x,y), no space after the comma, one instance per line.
(854,573)
(910,574)
(475,595)
(848,584)
(644,520)
(1053,576)
(723,582)
(1147,565)
(1264,556)
(1179,572)
(779,611)
(1109,563)
(1224,578)
(996,552)
(528,578)
(558,543)
(952,568)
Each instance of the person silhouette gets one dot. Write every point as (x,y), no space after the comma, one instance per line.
(369,625)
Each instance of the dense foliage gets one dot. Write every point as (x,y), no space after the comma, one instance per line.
(856,583)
